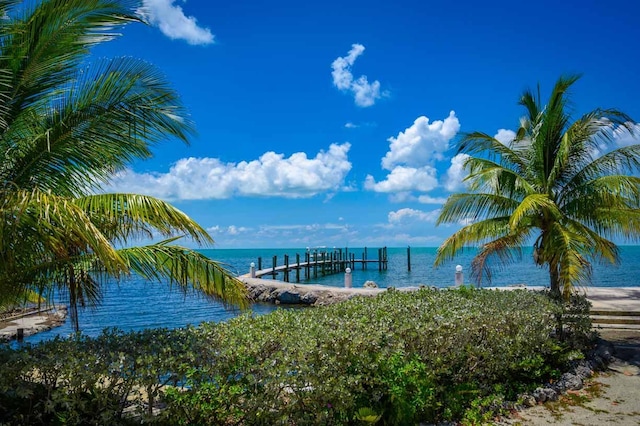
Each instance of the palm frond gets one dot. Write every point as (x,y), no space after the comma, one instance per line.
(121,216)
(113,114)
(470,236)
(481,143)
(186,268)
(507,249)
(472,206)
(52,39)
(486,175)
(58,226)
(534,205)
(621,160)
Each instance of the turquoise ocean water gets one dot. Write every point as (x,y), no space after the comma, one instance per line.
(135,304)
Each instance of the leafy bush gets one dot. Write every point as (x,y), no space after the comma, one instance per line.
(399,358)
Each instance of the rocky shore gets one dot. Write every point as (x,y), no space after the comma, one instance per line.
(278,292)
(31,321)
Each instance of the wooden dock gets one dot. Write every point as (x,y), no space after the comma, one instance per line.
(319,263)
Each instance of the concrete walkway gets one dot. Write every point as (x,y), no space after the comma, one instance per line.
(602,298)
(614,298)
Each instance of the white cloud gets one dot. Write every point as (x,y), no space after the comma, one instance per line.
(456,173)
(427,199)
(173,23)
(307,235)
(403,216)
(365,93)
(505,136)
(351,125)
(405,179)
(412,155)
(422,143)
(228,230)
(623,137)
(272,175)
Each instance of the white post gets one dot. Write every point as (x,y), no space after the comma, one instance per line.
(459,277)
(252,270)
(348,278)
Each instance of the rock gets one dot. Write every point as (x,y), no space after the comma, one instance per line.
(583,370)
(267,296)
(569,381)
(309,298)
(257,291)
(528,400)
(288,297)
(370,284)
(545,394)
(540,395)
(604,350)
(551,394)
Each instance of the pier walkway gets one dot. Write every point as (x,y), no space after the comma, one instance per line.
(318,263)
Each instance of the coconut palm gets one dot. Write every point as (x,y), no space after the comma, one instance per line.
(565,186)
(66,127)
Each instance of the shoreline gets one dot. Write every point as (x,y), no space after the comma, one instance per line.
(280,292)
(32,322)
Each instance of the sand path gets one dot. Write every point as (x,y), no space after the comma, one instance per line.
(610,398)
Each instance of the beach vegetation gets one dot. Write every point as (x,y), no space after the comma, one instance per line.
(398,358)
(568,187)
(68,124)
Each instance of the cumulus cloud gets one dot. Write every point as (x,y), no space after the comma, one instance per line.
(412,215)
(365,93)
(173,23)
(427,199)
(505,136)
(405,179)
(456,173)
(271,175)
(412,155)
(623,137)
(422,143)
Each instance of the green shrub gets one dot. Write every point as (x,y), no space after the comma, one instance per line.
(399,358)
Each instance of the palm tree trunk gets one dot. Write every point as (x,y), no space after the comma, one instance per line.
(554,281)
(73,300)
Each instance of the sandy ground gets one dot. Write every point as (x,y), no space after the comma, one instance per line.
(610,398)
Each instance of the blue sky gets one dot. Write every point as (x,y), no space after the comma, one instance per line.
(335,123)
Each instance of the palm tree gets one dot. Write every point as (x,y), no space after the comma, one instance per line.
(565,186)
(66,126)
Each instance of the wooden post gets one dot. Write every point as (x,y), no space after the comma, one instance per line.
(297,267)
(259,263)
(365,257)
(286,268)
(379,259)
(307,266)
(409,258)
(315,264)
(273,271)
(386,264)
